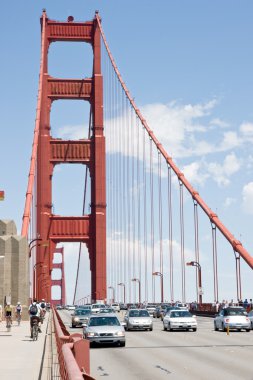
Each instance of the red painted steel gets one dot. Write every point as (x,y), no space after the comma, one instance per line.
(48,152)
(236,244)
(73,352)
(61,282)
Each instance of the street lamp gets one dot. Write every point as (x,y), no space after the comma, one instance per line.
(124,290)
(161,276)
(113,293)
(196,264)
(138,281)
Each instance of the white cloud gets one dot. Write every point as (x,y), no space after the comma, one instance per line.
(229,201)
(221,172)
(246,129)
(219,123)
(194,174)
(247,196)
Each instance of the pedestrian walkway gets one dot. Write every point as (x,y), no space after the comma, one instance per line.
(21,357)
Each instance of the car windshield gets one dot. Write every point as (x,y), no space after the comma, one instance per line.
(138,313)
(180,314)
(82,312)
(105,310)
(232,312)
(104,321)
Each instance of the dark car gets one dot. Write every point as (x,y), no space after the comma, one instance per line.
(167,309)
(80,317)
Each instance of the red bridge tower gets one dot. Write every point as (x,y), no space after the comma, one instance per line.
(90,229)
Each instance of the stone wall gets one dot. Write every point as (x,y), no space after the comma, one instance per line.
(14,274)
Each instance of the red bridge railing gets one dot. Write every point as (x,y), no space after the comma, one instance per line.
(73,352)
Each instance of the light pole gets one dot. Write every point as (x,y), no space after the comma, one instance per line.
(196,264)
(113,293)
(161,277)
(138,281)
(124,291)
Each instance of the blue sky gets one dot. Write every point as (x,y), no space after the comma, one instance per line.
(186,63)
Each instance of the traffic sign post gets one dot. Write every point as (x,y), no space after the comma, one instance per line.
(1,195)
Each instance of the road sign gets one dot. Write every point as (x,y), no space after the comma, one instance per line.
(1,195)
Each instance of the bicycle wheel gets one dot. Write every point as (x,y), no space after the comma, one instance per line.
(35,332)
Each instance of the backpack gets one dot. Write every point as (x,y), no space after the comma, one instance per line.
(33,310)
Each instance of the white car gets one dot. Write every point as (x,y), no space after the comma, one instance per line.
(179,320)
(151,308)
(116,307)
(96,307)
(235,318)
(138,319)
(250,315)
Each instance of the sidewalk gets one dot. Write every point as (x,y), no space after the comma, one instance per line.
(21,358)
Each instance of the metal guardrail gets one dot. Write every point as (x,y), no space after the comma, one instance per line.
(73,352)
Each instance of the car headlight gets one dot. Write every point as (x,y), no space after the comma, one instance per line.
(120,333)
(76,319)
(91,334)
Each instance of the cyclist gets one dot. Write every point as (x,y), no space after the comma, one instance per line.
(8,312)
(43,309)
(18,312)
(35,313)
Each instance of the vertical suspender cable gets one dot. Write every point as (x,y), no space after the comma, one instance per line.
(145,216)
(152,219)
(182,239)
(196,234)
(215,264)
(170,236)
(160,220)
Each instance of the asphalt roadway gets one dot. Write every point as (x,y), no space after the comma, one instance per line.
(178,355)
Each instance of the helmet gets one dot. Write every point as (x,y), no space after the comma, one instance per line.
(42,299)
(18,303)
(34,303)
(8,303)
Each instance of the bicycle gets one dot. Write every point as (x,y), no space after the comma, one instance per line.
(8,322)
(35,328)
(18,317)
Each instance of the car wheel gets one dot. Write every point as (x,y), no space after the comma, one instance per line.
(194,329)
(72,326)
(164,327)
(247,330)
(151,328)
(215,327)
(122,344)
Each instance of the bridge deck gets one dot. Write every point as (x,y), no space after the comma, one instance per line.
(20,356)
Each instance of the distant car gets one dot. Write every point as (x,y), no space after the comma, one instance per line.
(70,307)
(96,307)
(179,320)
(116,307)
(80,317)
(59,307)
(123,306)
(250,315)
(107,310)
(235,318)
(139,319)
(157,312)
(182,306)
(150,308)
(87,307)
(104,328)
(167,309)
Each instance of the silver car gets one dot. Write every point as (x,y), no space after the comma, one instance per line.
(104,328)
(233,317)
(179,320)
(138,319)
(250,315)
